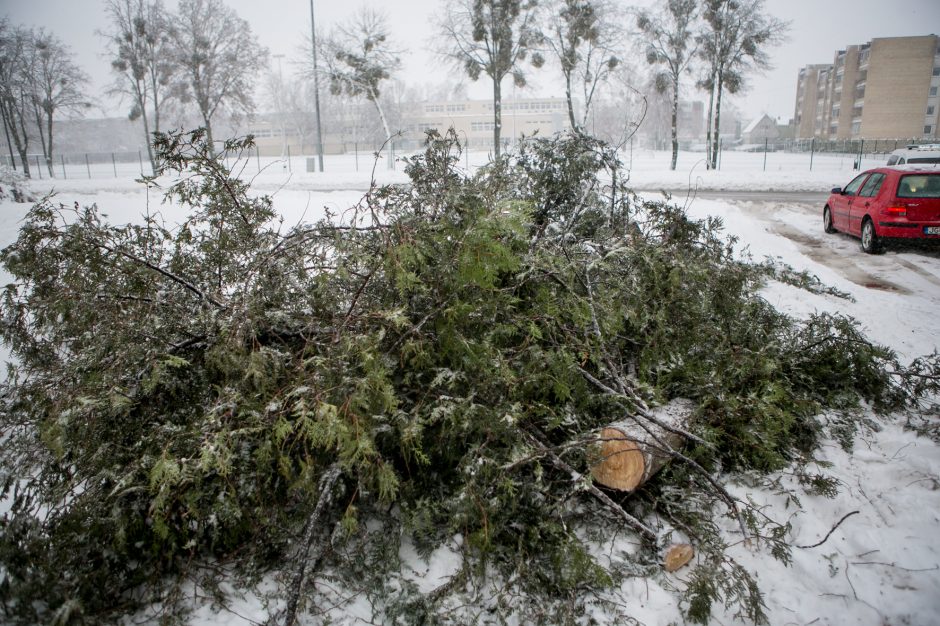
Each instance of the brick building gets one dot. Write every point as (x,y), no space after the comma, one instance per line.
(884,89)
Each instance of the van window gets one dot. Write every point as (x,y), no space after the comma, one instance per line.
(924,160)
(893,159)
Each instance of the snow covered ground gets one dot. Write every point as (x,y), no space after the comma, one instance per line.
(649,169)
(881,566)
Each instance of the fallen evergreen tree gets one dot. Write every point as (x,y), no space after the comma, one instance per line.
(438,362)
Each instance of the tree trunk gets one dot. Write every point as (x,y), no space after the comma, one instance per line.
(147,137)
(632,450)
(675,120)
(154,86)
(209,139)
(6,131)
(708,126)
(12,115)
(574,123)
(497,114)
(388,132)
(48,151)
(717,132)
(37,113)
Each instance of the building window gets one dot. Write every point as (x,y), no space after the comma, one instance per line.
(930,110)
(928,129)
(936,71)
(933,91)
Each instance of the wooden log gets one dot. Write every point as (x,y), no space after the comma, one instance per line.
(632,450)
(678,556)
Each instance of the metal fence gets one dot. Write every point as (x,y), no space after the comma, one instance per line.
(98,165)
(135,164)
(84,165)
(855,150)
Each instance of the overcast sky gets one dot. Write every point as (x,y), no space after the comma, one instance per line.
(817,29)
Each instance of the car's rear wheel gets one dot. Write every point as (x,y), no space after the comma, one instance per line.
(827,221)
(870,241)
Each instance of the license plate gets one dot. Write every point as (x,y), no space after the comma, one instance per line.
(932,230)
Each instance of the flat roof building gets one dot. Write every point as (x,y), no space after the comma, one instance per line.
(471,119)
(807,95)
(884,89)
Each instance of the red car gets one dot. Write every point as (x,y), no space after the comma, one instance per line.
(887,203)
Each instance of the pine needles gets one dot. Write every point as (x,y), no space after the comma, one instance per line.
(442,356)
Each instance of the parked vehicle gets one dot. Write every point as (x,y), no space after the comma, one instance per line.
(887,203)
(925,153)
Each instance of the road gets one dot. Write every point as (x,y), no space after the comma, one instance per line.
(904,269)
(809,197)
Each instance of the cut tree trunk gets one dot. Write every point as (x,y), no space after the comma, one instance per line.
(678,556)
(633,450)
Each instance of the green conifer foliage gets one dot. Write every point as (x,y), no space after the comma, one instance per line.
(448,349)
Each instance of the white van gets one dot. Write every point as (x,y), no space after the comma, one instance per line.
(925,153)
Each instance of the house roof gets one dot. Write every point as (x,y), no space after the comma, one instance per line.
(754,123)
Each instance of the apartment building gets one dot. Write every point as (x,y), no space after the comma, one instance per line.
(807,96)
(883,89)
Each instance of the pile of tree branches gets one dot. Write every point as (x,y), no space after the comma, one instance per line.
(436,363)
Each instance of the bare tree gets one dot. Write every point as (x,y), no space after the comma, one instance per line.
(733,42)
(584,36)
(57,87)
(669,39)
(15,94)
(620,108)
(358,58)
(219,58)
(138,42)
(492,37)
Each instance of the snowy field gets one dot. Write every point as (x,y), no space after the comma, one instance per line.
(649,169)
(881,566)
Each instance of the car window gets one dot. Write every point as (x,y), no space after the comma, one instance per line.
(872,186)
(893,159)
(919,186)
(924,160)
(852,187)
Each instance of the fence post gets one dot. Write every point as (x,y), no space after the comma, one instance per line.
(87,166)
(812,152)
(113,165)
(38,168)
(721,143)
(140,159)
(356,152)
(64,176)
(288,160)
(258,158)
(765,154)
